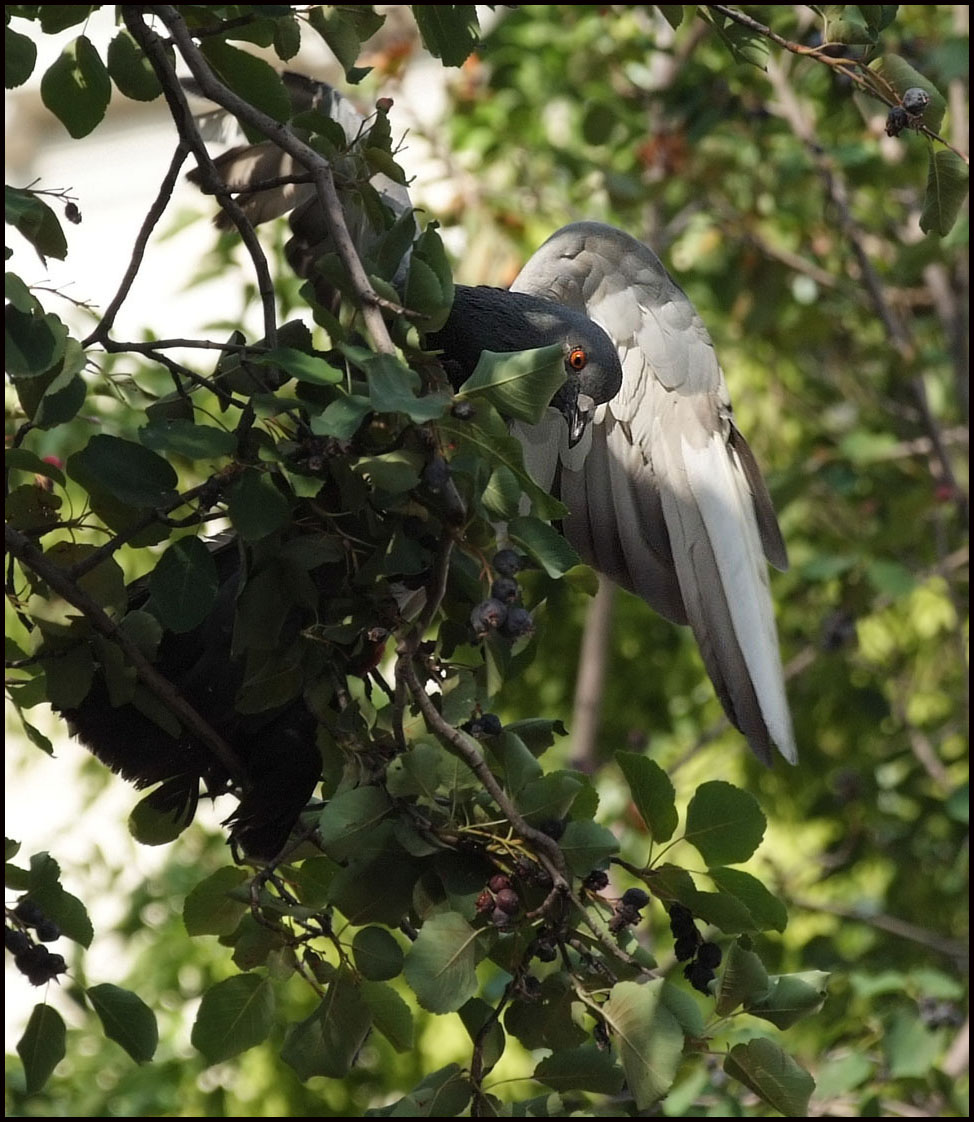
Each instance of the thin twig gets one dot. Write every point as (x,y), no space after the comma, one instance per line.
(307,157)
(156,211)
(190,135)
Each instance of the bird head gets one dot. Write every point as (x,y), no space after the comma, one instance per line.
(495,319)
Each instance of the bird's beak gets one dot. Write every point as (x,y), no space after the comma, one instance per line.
(577,409)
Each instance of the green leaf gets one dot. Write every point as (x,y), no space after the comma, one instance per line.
(181,437)
(123,469)
(32,343)
(791,997)
(42,1047)
(394,472)
(393,388)
(67,911)
(772,1075)
(488,439)
(844,23)
(209,908)
(549,797)
(327,1042)
(520,384)
(164,813)
(342,36)
(652,792)
(22,459)
(130,70)
(901,76)
(183,585)
(126,1019)
(302,367)
(342,418)
(76,88)
(743,979)
(59,17)
(587,846)
(256,81)
(544,544)
(450,32)
(724,823)
(649,1039)
(19,57)
(766,909)
(440,964)
(377,954)
(587,1068)
(390,1014)
(37,222)
(347,824)
(947,185)
(256,506)
(234,1015)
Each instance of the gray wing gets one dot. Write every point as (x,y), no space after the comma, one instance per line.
(664,494)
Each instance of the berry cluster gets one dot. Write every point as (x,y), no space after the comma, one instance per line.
(627,909)
(500,901)
(33,959)
(501,611)
(914,102)
(702,959)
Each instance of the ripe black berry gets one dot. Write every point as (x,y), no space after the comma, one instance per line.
(506,562)
(709,955)
(635,898)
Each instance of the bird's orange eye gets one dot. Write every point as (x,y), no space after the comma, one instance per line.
(578,359)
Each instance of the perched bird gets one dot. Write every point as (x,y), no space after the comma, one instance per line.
(665,496)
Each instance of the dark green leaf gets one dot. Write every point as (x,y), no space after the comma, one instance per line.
(327,1042)
(22,459)
(349,821)
(587,846)
(256,81)
(587,1068)
(342,418)
(519,385)
(234,1015)
(302,367)
(450,32)
(32,217)
(767,910)
(19,56)
(76,88)
(256,506)
(377,954)
(59,17)
(652,792)
(126,1019)
(183,585)
(33,343)
(772,1075)
(181,437)
(123,469)
(130,70)
(41,1048)
(394,388)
